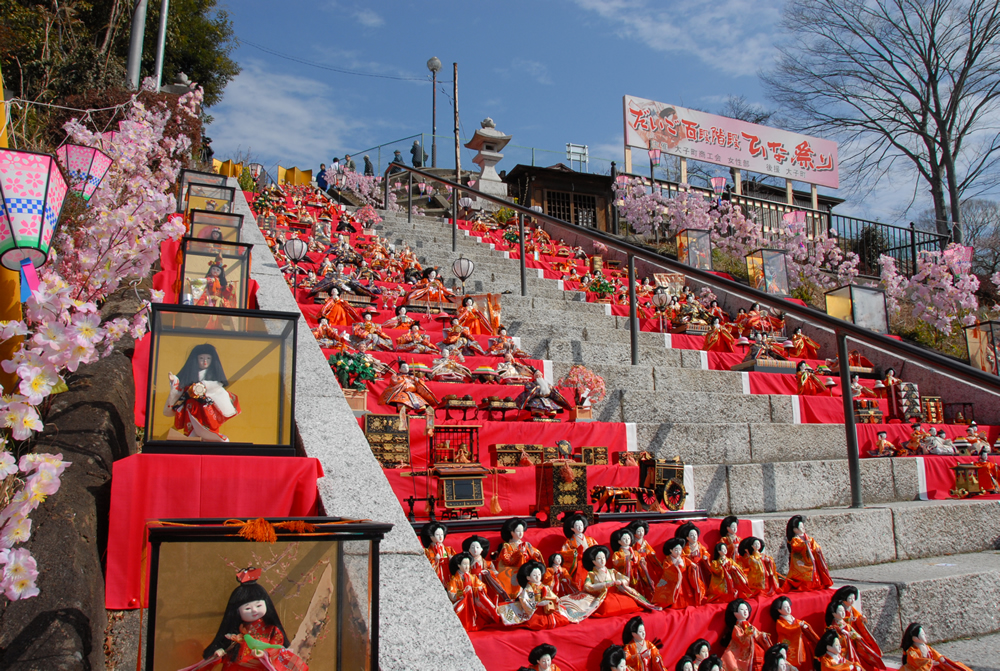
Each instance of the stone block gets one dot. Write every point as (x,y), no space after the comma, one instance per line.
(696,443)
(904,476)
(690,358)
(880,604)
(672,378)
(711,492)
(932,528)
(796,442)
(781,408)
(877,483)
(848,537)
(685,406)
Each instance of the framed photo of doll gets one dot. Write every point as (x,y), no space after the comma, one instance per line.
(220,601)
(216,226)
(215,273)
(220,381)
(209,197)
(188,177)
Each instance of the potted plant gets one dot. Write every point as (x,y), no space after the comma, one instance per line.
(587,386)
(600,286)
(353,370)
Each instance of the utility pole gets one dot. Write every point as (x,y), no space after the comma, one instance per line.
(161,44)
(458,154)
(135,44)
(434,64)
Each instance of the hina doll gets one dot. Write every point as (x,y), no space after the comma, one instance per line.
(853,646)
(514,552)
(719,339)
(432,535)
(415,341)
(807,568)
(803,347)
(536,606)
(883,446)
(918,656)
(468,595)
(577,542)
(368,335)
(716,311)
(478,549)
(890,378)
(988,472)
(744,644)
(429,288)
(680,584)
(795,634)
(540,398)
(828,655)
(759,568)
(712,663)
(614,658)
(542,658)
(917,435)
(627,561)
(337,311)
(557,577)
(850,597)
(407,392)
(609,589)
(510,371)
(401,320)
(216,291)
(450,369)
(457,337)
(640,654)
(250,619)
(754,320)
(694,549)
(198,400)
(473,319)
(503,345)
(647,555)
(685,663)
(699,651)
(726,579)
(859,390)
(809,383)
(728,532)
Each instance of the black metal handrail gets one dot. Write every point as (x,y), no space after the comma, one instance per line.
(841,329)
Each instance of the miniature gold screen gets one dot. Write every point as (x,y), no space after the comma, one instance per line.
(215,274)
(838,304)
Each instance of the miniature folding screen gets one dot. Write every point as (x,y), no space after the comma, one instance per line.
(188,177)
(214,274)
(220,381)
(209,197)
(209,225)
(320,587)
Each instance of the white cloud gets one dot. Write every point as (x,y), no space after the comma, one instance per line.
(533,69)
(733,36)
(368,18)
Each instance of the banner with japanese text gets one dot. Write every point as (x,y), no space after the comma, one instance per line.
(700,136)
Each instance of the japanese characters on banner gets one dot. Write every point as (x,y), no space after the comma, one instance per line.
(729,142)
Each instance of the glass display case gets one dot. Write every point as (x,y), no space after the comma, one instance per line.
(694,248)
(220,381)
(215,273)
(862,306)
(981,340)
(313,594)
(222,226)
(767,271)
(188,177)
(209,197)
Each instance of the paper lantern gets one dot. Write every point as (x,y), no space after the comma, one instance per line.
(981,339)
(463,269)
(654,157)
(862,306)
(33,190)
(767,271)
(86,167)
(718,185)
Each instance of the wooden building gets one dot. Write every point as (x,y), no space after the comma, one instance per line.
(584,199)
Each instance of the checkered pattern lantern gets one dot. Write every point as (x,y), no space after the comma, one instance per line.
(85,166)
(33,190)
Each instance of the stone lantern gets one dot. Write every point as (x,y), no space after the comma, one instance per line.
(488,141)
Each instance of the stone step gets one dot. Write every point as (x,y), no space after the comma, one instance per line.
(611,352)
(979,653)
(694,407)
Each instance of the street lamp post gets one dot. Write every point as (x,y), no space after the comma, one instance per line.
(434,65)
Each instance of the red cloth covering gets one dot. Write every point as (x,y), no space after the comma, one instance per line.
(442,389)
(140,373)
(941,479)
(899,433)
(168,486)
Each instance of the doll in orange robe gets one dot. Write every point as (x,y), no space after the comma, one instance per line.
(807,568)
(198,399)
(337,311)
(829,654)
(408,393)
(803,347)
(433,534)
(641,654)
(218,292)
(574,525)
(680,583)
(514,553)
(542,658)
(613,659)
(853,646)
(918,656)
(744,644)
(647,555)
(759,568)
(719,339)
(557,577)
(849,595)
(478,548)
(728,528)
(726,579)
(469,596)
(627,560)
(536,606)
(796,634)
(694,549)
(988,472)
(473,319)
(809,383)
(610,590)
(429,288)
(250,612)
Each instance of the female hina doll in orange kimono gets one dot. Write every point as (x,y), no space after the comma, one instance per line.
(473,319)
(542,658)
(853,646)
(809,383)
(744,644)
(640,654)
(432,535)
(408,393)
(728,532)
(250,613)
(803,347)
(680,584)
(609,589)
(918,656)
(401,320)
(429,288)
(337,311)
(198,400)
(694,549)
(368,335)
(647,555)
(557,577)
(726,579)
(503,345)
(849,595)
(626,560)
(807,568)
(469,596)
(577,542)
(754,320)
(759,568)
(719,339)
(514,553)
(829,654)
(217,292)
(415,341)
(457,337)
(536,606)
(794,633)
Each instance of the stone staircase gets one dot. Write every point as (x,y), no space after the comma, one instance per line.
(933,562)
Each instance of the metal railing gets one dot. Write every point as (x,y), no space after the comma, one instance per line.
(588,238)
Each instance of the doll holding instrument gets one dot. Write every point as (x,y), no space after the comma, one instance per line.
(198,400)
(214,291)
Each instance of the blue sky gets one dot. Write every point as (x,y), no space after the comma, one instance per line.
(547,73)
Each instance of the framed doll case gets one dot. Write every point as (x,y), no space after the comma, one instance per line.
(215,273)
(209,197)
(220,381)
(219,226)
(188,177)
(318,583)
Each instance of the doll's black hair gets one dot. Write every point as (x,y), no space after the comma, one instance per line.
(716,550)
(775,609)
(684,529)
(468,298)
(773,656)
(456,560)
(612,657)
(525,571)
(831,609)
(553,556)
(483,543)
(671,544)
(507,530)
(427,532)
(713,663)
(231,621)
(696,647)
(682,661)
(825,641)
(911,631)
(570,519)
(630,628)
(844,592)
(730,621)
(616,537)
(793,522)
(539,650)
(399,309)
(798,367)
(724,525)
(635,524)
(590,554)
(188,374)
(222,272)
(746,545)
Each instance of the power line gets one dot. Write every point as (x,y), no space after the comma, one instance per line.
(326,67)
